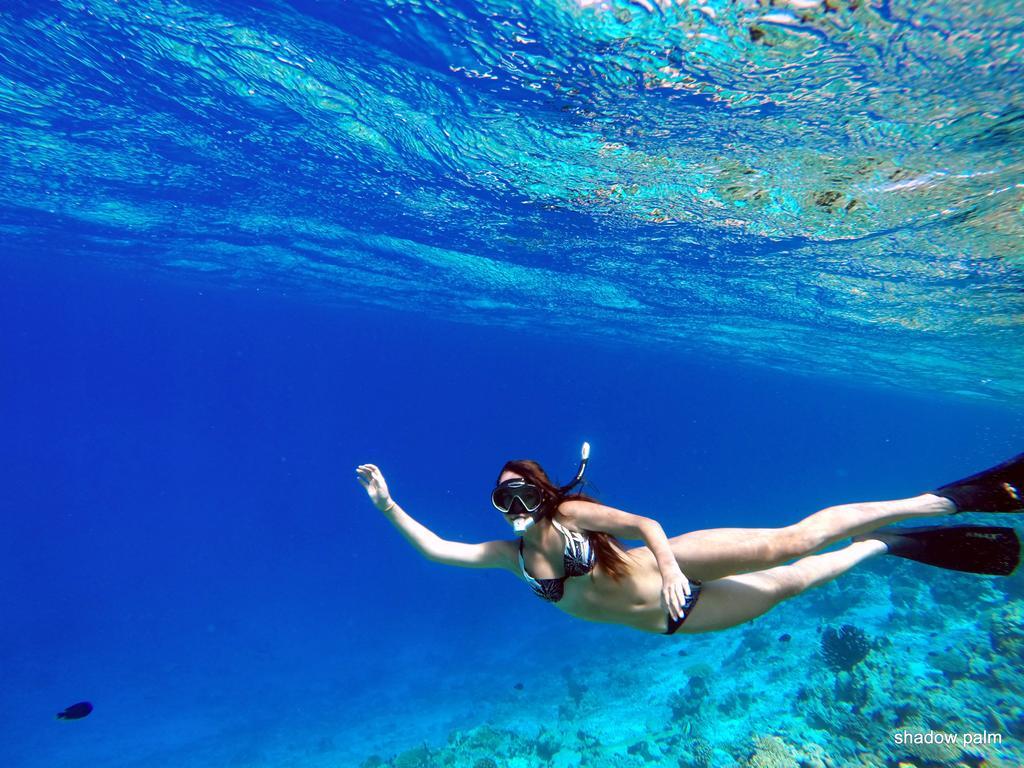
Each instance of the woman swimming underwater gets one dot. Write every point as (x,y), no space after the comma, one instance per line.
(567,550)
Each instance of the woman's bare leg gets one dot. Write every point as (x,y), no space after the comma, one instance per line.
(734,600)
(719,552)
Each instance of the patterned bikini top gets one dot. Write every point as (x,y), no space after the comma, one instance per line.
(578,559)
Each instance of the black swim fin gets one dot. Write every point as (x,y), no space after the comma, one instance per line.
(972,548)
(999,489)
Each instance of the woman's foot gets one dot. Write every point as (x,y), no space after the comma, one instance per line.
(999,489)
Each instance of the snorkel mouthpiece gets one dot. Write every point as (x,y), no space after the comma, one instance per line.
(522,524)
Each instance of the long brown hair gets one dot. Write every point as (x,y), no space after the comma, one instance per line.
(610,552)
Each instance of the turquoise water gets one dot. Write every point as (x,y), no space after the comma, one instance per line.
(828,187)
(765,257)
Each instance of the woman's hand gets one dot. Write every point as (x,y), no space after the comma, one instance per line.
(373,481)
(675,588)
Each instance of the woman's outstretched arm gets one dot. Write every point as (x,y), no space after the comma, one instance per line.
(489,554)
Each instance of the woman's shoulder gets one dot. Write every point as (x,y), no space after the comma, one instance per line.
(571,514)
(569,511)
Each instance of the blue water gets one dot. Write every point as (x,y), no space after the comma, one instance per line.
(247,247)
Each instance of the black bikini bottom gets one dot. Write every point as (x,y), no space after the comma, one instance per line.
(674,624)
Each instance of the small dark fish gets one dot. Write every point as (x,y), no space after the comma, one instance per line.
(518,686)
(785,638)
(75,711)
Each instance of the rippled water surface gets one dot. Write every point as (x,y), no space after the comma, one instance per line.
(829,186)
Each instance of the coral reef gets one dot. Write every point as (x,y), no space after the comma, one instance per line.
(843,693)
(845,648)
(687,701)
(574,685)
(954,666)
(853,689)
(1006,630)
(547,745)
(927,753)
(419,757)
(702,752)
(770,752)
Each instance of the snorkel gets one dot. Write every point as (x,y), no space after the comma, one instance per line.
(522,524)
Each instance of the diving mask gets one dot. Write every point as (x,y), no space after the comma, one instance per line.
(505,495)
